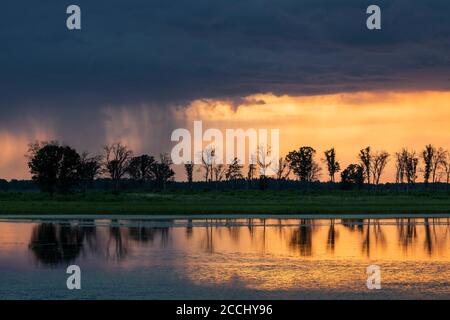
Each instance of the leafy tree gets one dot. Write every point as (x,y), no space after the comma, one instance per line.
(54,167)
(140,168)
(162,171)
(352,176)
(117,160)
(234,170)
(428,156)
(89,168)
(302,163)
(332,165)
(189,168)
(251,171)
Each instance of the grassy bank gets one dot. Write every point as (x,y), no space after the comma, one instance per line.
(226,202)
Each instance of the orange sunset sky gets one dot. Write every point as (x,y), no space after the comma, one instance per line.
(348,121)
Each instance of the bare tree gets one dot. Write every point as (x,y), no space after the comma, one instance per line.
(406,163)
(263,158)
(446,166)
(400,167)
(411,169)
(379,162)
(117,159)
(439,158)
(282,169)
(219,172)
(208,157)
(89,169)
(365,158)
(332,165)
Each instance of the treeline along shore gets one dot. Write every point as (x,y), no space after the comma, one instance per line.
(119,182)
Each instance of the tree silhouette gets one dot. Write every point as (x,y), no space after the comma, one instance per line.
(263,159)
(140,168)
(446,166)
(438,162)
(54,167)
(379,162)
(434,159)
(365,158)
(189,168)
(219,172)
(117,157)
(283,170)
(251,171)
(234,170)
(406,164)
(332,165)
(428,156)
(162,171)
(352,176)
(302,163)
(89,168)
(208,158)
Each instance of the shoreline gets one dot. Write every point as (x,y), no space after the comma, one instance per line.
(22,217)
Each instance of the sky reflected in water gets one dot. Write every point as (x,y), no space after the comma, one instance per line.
(226,258)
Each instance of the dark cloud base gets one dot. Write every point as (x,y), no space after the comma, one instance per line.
(167,53)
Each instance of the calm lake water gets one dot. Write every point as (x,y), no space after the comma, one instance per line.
(226,258)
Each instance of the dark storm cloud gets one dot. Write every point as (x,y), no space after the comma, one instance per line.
(164,53)
(170,50)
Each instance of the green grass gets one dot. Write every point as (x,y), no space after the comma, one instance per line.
(226,202)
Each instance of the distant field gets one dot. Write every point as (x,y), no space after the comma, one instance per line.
(225,202)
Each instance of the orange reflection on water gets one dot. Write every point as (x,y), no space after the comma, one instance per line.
(270,255)
(320,253)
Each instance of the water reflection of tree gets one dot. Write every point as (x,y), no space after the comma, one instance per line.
(208,241)
(142,234)
(54,244)
(332,236)
(407,232)
(353,224)
(148,234)
(189,229)
(301,238)
(372,229)
(233,229)
(430,236)
(366,239)
(118,243)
